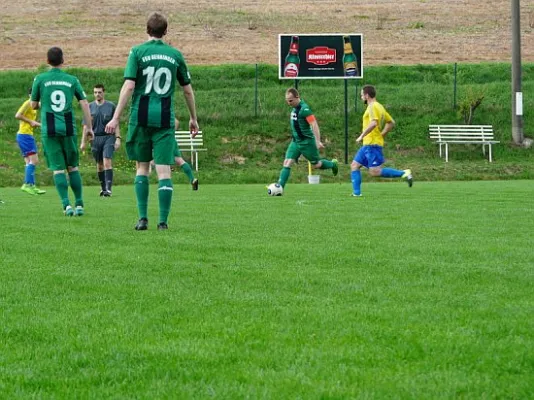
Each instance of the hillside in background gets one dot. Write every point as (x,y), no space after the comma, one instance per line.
(246,136)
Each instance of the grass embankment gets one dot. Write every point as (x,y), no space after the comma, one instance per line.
(246,140)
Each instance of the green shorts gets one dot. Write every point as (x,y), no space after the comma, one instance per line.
(177,152)
(307,148)
(61,152)
(146,143)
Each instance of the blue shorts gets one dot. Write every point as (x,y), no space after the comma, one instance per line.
(26,144)
(370,156)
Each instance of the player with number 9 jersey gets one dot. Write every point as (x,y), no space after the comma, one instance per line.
(155,66)
(53,91)
(56,89)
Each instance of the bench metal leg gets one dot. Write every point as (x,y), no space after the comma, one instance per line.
(196,160)
(440,155)
(489,152)
(484,149)
(446,152)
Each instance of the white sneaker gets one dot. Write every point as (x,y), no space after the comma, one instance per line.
(408,176)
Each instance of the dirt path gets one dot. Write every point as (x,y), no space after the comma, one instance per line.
(93,34)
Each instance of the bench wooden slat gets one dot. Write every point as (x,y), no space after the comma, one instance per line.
(194,150)
(469,141)
(471,133)
(461,126)
(187,136)
(486,131)
(461,137)
(459,133)
(186,143)
(465,134)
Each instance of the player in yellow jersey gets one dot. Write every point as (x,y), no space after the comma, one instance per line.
(376,124)
(28,120)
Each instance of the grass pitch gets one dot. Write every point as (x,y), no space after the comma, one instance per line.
(404,293)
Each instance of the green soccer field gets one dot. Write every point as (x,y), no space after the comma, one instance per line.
(405,293)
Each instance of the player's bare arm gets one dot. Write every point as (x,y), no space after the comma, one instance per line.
(26,119)
(84,137)
(117,137)
(388,128)
(126,93)
(189,96)
(87,117)
(317,133)
(22,117)
(372,125)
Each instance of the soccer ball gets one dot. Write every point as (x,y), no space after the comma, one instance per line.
(274,189)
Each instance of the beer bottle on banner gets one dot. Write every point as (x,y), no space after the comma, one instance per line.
(291,66)
(350,64)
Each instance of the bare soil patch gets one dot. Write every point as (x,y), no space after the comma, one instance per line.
(100,34)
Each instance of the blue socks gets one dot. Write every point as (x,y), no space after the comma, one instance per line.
(29,174)
(391,173)
(356,179)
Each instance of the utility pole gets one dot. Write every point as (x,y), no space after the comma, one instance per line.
(517,95)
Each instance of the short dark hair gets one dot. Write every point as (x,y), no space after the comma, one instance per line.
(156,25)
(55,56)
(369,90)
(293,91)
(100,86)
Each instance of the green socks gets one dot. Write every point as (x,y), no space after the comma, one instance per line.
(164,197)
(284,176)
(141,193)
(76,185)
(62,186)
(188,172)
(325,164)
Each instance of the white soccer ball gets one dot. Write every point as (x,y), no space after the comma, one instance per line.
(274,189)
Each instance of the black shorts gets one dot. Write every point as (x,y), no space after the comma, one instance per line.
(103,147)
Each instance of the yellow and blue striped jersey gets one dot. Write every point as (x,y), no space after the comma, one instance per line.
(375,111)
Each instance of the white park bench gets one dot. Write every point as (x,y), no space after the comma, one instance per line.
(463,134)
(186,143)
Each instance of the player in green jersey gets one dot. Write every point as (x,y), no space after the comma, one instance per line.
(306,138)
(150,75)
(54,92)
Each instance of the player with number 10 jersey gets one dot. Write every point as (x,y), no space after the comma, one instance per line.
(150,76)
(155,66)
